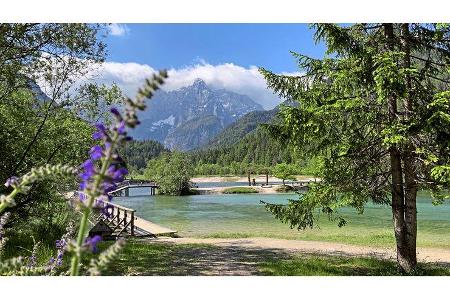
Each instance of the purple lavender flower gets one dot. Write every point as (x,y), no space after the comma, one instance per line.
(60,244)
(120,174)
(12,181)
(59,257)
(108,186)
(91,242)
(100,127)
(83,185)
(100,133)
(107,210)
(116,113)
(121,128)
(32,260)
(96,152)
(82,196)
(88,165)
(89,170)
(97,135)
(117,174)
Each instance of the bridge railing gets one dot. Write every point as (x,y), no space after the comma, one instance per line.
(137,182)
(118,217)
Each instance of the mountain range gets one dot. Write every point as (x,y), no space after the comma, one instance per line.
(192,116)
(236,131)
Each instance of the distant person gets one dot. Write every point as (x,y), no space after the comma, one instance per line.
(254,182)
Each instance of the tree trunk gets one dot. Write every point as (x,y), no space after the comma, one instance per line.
(403,217)
(403,206)
(408,161)
(410,213)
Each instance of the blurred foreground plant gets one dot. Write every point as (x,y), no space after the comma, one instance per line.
(99,175)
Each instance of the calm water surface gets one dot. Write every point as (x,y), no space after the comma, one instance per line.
(199,215)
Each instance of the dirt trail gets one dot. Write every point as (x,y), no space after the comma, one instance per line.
(424,254)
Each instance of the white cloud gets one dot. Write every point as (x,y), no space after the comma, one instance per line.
(128,76)
(246,81)
(118,29)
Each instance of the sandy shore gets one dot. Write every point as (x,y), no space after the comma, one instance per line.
(271,189)
(274,183)
(258,178)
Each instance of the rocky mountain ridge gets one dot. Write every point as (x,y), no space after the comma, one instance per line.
(192,116)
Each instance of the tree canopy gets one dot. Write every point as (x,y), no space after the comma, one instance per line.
(376,109)
(46,114)
(172,172)
(284,171)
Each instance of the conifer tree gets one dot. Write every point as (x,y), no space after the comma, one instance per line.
(376,109)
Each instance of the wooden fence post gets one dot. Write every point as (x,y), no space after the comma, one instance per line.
(132,223)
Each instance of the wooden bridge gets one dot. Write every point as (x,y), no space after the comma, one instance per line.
(123,189)
(122,221)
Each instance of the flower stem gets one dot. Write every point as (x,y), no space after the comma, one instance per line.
(82,231)
(4,206)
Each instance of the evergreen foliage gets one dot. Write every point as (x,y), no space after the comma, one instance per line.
(376,109)
(256,151)
(239,129)
(136,154)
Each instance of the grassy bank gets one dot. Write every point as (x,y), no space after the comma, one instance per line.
(141,258)
(350,236)
(239,190)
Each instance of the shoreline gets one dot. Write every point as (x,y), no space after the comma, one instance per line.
(260,180)
(219,190)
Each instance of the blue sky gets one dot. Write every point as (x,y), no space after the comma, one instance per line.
(223,55)
(178,45)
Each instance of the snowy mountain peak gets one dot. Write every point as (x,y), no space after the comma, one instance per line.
(199,84)
(187,118)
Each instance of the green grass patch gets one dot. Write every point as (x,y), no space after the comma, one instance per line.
(323,265)
(227,235)
(240,190)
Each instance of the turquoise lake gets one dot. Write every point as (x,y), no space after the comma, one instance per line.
(243,215)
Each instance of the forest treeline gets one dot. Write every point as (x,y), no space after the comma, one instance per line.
(257,152)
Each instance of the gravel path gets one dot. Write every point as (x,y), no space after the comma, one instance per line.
(435,255)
